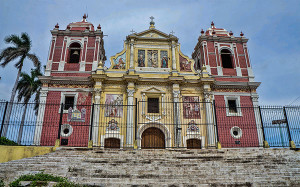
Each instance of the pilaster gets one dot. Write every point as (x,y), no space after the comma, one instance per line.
(254,97)
(40,117)
(95,127)
(130,121)
(177,126)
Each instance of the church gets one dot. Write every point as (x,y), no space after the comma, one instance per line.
(151,95)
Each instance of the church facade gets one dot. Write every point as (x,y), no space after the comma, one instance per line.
(152,95)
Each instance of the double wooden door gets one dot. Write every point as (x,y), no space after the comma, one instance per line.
(113,143)
(153,138)
(194,144)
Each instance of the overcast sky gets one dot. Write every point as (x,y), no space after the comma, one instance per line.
(272,27)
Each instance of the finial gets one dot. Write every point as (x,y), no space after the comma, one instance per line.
(242,34)
(56,26)
(212,24)
(202,31)
(172,32)
(132,31)
(99,27)
(84,16)
(68,27)
(152,23)
(230,33)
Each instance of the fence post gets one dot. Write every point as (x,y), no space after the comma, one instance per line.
(216,122)
(90,144)
(292,143)
(265,144)
(135,125)
(57,142)
(2,124)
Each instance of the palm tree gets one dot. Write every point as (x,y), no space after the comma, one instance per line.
(27,86)
(18,52)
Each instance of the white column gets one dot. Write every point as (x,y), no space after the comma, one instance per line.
(177,125)
(173,57)
(40,118)
(257,119)
(209,120)
(95,127)
(131,55)
(130,121)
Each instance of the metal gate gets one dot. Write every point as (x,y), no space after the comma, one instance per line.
(178,121)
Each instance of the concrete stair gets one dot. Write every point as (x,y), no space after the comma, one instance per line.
(178,167)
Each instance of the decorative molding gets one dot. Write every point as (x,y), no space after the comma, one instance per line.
(130,92)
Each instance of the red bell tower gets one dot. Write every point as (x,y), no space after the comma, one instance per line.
(226,58)
(74,55)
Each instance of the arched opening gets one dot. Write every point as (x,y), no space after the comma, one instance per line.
(112,143)
(74,53)
(226,58)
(153,138)
(193,144)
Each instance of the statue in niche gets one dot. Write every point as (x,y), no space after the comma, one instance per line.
(141,58)
(153,58)
(164,59)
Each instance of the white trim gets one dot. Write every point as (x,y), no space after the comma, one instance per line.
(239,130)
(62,99)
(71,89)
(66,126)
(238,104)
(232,93)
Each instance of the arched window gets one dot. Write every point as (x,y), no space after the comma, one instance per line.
(226,58)
(74,53)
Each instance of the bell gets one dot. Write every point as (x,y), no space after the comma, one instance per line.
(75,53)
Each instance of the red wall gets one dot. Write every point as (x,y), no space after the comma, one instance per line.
(80,135)
(246,122)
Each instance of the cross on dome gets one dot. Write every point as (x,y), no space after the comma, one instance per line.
(152,23)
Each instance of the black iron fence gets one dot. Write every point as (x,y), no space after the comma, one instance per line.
(150,124)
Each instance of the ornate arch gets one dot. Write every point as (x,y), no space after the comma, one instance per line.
(160,126)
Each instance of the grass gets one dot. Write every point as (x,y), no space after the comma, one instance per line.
(5,141)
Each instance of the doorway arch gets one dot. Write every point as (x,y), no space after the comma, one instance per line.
(153,138)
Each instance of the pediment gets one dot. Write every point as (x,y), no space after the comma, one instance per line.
(153,90)
(153,33)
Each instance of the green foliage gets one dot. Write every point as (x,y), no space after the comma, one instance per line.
(1,183)
(37,178)
(5,141)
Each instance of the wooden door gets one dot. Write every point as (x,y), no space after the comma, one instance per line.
(153,138)
(113,143)
(194,144)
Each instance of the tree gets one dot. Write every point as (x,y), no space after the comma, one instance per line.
(27,86)
(19,51)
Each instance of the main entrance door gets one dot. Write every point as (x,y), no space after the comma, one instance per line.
(113,143)
(194,144)
(153,138)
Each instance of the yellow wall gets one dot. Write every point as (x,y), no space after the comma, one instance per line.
(9,153)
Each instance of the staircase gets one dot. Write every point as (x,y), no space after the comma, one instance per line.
(178,167)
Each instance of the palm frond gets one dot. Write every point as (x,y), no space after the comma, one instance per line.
(14,39)
(26,42)
(35,60)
